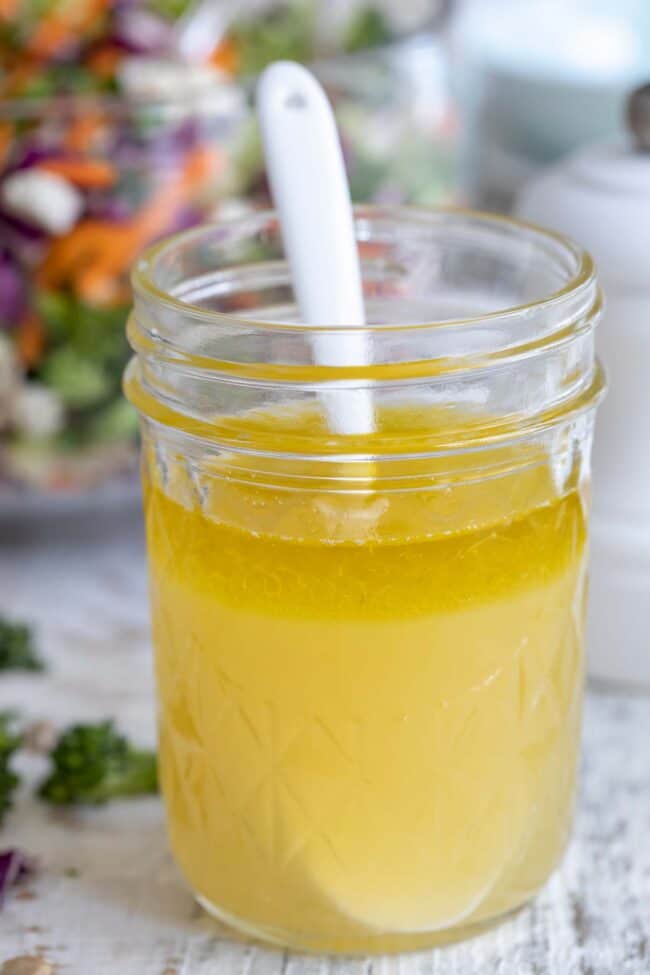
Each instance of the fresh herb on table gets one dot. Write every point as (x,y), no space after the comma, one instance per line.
(367,28)
(10,741)
(94,763)
(17,651)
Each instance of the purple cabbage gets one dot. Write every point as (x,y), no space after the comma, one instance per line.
(187,135)
(14,867)
(25,245)
(32,153)
(13,293)
(185,219)
(166,141)
(107,206)
(141,32)
(13,229)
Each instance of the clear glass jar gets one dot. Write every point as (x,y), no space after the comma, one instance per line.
(368,646)
(86,183)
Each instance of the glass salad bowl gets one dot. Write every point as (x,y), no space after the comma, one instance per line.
(396,123)
(85,183)
(108,142)
(385,71)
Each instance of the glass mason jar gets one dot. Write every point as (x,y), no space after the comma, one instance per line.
(368,645)
(86,183)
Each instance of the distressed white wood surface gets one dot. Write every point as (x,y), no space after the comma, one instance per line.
(125,910)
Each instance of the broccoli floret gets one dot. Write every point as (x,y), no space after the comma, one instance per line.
(367,28)
(17,647)
(8,783)
(93,763)
(9,742)
(79,381)
(285,31)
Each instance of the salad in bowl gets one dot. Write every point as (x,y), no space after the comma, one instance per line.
(109,140)
(96,161)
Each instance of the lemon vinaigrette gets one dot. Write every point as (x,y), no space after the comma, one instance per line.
(373,734)
(368,649)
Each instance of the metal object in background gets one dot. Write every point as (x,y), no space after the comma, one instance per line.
(638,116)
(538,80)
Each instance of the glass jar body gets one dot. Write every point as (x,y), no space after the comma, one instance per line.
(368,648)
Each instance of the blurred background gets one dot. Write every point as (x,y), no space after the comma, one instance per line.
(124,120)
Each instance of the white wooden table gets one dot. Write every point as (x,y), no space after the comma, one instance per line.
(107,899)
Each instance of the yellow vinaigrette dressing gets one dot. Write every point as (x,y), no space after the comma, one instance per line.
(368,647)
(366,724)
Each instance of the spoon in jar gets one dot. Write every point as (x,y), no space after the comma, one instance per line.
(308,183)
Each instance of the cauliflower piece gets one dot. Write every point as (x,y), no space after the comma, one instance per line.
(42,199)
(233,209)
(147,77)
(37,411)
(180,83)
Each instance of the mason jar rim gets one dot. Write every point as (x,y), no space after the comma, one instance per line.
(538,371)
(582,276)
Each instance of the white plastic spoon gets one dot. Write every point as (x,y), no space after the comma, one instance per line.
(309,186)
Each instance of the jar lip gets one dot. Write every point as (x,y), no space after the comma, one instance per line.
(413,447)
(582,276)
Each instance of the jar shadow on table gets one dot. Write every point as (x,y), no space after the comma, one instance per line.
(118,858)
(153,893)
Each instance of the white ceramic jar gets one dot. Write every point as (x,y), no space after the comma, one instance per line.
(601,198)
(537,79)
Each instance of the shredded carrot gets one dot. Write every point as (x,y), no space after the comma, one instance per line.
(91,258)
(62,27)
(30,340)
(6,140)
(51,36)
(8,9)
(103,289)
(104,61)
(83,132)
(369,249)
(202,165)
(242,302)
(18,76)
(226,56)
(86,173)
(96,255)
